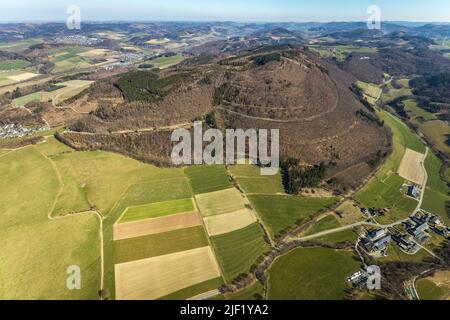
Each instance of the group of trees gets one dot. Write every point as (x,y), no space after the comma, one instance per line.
(297,177)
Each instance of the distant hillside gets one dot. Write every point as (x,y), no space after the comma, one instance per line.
(290,89)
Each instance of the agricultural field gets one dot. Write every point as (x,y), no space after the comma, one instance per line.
(230,247)
(252,182)
(411,167)
(166,62)
(436,194)
(437,131)
(417,111)
(434,288)
(396,93)
(17,64)
(32,238)
(280,212)
(68,59)
(156,225)
(229,222)
(372,92)
(311,274)
(156,210)
(204,179)
(19,46)
(383,191)
(220,202)
(34,97)
(159,244)
(327,223)
(340,52)
(68,90)
(11,77)
(157,277)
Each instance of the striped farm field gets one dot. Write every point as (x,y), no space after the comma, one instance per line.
(238,251)
(160,276)
(159,244)
(228,222)
(280,212)
(204,179)
(156,210)
(220,202)
(157,225)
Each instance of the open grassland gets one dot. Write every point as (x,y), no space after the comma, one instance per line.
(371,91)
(157,277)
(156,225)
(412,106)
(327,223)
(411,167)
(68,58)
(280,212)
(340,52)
(428,290)
(19,46)
(33,97)
(394,253)
(311,274)
(206,179)
(383,190)
(339,237)
(159,244)
(252,182)
(238,251)
(111,183)
(68,90)
(220,202)
(156,210)
(37,251)
(396,93)
(228,222)
(438,132)
(16,64)
(437,191)
(166,62)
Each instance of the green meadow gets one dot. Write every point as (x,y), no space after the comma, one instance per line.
(239,250)
(383,190)
(279,212)
(155,210)
(311,274)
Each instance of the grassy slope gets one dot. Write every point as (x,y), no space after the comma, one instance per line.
(14,64)
(36,251)
(437,191)
(251,180)
(156,210)
(428,290)
(204,179)
(237,251)
(437,131)
(281,212)
(311,273)
(384,189)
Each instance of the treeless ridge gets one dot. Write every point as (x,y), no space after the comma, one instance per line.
(154,226)
(157,277)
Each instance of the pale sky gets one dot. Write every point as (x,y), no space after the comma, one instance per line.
(229,10)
